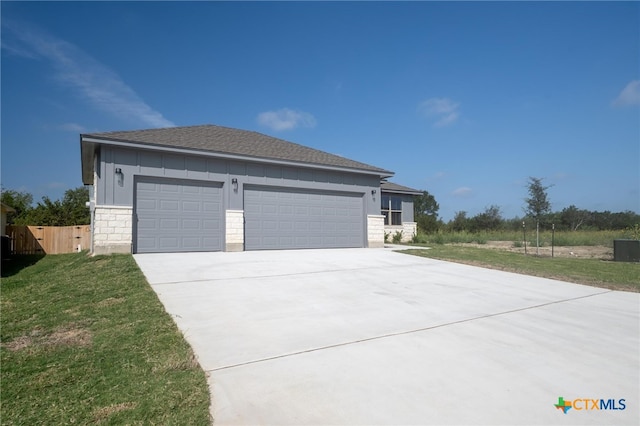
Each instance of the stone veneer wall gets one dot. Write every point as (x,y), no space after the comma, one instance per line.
(112,229)
(234,230)
(375,231)
(409,229)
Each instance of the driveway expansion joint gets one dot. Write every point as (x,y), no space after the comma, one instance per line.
(293,274)
(401,333)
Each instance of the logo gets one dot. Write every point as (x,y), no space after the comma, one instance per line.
(581,404)
(563,405)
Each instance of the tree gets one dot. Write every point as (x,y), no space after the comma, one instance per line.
(537,203)
(20,201)
(425,210)
(573,217)
(74,204)
(69,211)
(490,219)
(460,222)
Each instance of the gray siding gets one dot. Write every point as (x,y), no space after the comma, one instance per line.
(143,162)
(407,208)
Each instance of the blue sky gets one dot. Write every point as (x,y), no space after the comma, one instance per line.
(462,99)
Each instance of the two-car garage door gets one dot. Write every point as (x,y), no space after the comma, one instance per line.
(288,218)
(179,215)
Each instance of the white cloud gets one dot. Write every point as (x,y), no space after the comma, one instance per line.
(630,95)
(443,110)
(286,119)
(463,191)
(95,82)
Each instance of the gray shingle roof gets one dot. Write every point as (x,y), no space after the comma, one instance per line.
(226,140)
(394,187)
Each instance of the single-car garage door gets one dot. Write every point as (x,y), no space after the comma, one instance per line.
(177,215)
(286,218)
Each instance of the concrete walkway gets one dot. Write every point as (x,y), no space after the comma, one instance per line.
(371,336)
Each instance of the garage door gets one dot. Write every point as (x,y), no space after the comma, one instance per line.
(283,218)
(176,215)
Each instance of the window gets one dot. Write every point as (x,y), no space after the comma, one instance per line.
(391,208)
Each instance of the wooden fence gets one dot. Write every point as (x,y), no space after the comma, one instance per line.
(49,239)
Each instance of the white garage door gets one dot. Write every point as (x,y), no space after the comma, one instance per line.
(285,218)
(176,215)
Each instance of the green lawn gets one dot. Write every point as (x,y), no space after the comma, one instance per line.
(85,340)
(595,272)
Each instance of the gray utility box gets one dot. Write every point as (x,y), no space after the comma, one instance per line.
(626,250)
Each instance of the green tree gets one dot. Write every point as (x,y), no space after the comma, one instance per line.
(490,219)
(573,217)
(69,211)
(537,202)
(460,222)
(21,201)
(425,210)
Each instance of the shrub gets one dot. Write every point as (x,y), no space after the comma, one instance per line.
(397,237)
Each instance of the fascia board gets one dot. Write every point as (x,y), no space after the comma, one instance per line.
(175,150)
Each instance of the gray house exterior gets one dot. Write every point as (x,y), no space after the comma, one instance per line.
(396,205)
(213,188)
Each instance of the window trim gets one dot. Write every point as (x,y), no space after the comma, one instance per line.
(388,212)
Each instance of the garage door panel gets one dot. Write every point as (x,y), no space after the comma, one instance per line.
(176,215)
(169,205)
(192,207)
(169,224)
(281,218)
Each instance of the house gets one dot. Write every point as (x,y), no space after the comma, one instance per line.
(213,188)
(396,205)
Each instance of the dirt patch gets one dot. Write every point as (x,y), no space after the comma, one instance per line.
(71,335)
(103,413)
(110,301)
(584,252)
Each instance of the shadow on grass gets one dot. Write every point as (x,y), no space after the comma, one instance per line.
(16,263)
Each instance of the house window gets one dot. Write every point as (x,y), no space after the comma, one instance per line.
(391,208)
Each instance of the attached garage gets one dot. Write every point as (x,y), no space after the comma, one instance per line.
(213,188)
(293,218)
(177,215)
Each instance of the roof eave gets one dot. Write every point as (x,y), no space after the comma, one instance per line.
(399,191)
(87,154)
(92,142)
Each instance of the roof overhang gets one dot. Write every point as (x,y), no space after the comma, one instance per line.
(394,191)
(393,188)
(6,208)
(89,145)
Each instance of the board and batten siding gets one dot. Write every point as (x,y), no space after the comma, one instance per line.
(207,168)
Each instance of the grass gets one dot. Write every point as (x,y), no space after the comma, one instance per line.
(85,340)
(561,238)
(613,275)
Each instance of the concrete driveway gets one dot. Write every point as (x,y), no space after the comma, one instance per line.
(372,336)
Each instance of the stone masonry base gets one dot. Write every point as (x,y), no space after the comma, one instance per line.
(112,230)
(408,229)
(234,230)
(375,231)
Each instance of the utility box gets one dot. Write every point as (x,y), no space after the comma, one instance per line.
(626,250)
